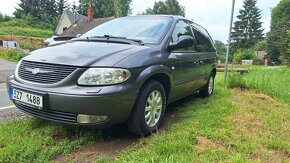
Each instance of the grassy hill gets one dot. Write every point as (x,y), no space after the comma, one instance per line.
(18,27)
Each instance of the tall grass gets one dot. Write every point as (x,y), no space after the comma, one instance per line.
(272,81)
(12,54)
(26,31)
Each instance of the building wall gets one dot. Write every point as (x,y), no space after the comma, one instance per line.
(65,23)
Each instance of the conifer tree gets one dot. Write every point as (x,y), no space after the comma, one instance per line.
(247,29)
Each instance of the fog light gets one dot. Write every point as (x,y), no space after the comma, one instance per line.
(82,118)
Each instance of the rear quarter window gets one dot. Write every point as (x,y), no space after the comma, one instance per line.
(203,40)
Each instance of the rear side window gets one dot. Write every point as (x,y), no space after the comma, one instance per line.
(203,40)
(182,28)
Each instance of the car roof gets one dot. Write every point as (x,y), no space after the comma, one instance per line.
(176,17)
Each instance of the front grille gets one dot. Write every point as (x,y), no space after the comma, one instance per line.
(48,73)
(57,116)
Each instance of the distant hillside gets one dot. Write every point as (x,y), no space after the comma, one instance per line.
(18,27)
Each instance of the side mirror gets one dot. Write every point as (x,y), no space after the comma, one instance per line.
(184,41)
(78,35)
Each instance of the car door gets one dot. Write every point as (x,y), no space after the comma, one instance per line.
(183,63)
(206,53)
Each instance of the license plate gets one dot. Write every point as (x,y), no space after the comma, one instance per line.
(26,98)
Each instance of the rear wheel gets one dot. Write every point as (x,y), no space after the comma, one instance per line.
(148,110)
(208,89)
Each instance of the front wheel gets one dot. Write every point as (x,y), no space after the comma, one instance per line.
(148,110)
(207,90)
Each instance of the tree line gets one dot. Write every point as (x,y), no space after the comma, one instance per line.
(248,36)
(47,12)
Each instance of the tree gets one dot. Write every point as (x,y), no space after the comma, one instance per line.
(45,12)
(169,7)
(61,6)
(247,29)
(221,49)
(276,38)
(105,8)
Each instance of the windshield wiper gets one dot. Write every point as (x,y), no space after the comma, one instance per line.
(124,38)
(108,36)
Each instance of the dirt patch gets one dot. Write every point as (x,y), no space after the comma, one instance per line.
(34,41)
(263,97)
(204,143)
(255,120)
(109,148)
(115,140)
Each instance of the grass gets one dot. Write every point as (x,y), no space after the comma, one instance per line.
(230,126)
(26,32)
(34,140)
(271,81)
(13,55)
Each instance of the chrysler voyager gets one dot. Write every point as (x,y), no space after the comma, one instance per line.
(126,70)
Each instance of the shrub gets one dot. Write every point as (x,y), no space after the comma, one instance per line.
(242,54)
(222,58)
(236,81)
(12,54)
(27,45)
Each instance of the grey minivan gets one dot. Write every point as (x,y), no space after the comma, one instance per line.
(126,70)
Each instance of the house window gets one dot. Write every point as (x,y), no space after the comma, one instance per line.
(64,29)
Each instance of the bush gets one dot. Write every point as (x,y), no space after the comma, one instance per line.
(236,81)
(222,58)
(12,54)
(4,18)
(27,45)
(242,54)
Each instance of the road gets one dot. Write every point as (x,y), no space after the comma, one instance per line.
(8,111)
(6,68)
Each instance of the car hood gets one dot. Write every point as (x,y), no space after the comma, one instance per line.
(84,53)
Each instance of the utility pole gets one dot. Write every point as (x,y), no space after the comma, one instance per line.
(229,42)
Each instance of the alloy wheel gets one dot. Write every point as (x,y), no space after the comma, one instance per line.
(153,108)
(210,85)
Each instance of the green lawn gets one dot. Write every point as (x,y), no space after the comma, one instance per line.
(230,126)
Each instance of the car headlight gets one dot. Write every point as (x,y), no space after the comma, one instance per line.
(104,76)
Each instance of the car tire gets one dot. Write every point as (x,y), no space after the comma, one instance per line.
(149,109)
(208,89)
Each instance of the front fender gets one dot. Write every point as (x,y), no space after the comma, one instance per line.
(151,72)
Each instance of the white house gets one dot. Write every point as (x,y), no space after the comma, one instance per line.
(67,18)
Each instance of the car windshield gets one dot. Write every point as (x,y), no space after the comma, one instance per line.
(147,29)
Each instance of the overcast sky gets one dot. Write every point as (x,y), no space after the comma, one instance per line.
(214,15)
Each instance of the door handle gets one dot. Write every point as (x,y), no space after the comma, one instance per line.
(196,62)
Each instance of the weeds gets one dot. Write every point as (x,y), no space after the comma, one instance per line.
(272,81)
(12,54)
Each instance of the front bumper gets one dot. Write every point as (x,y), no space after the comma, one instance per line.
(65,103)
